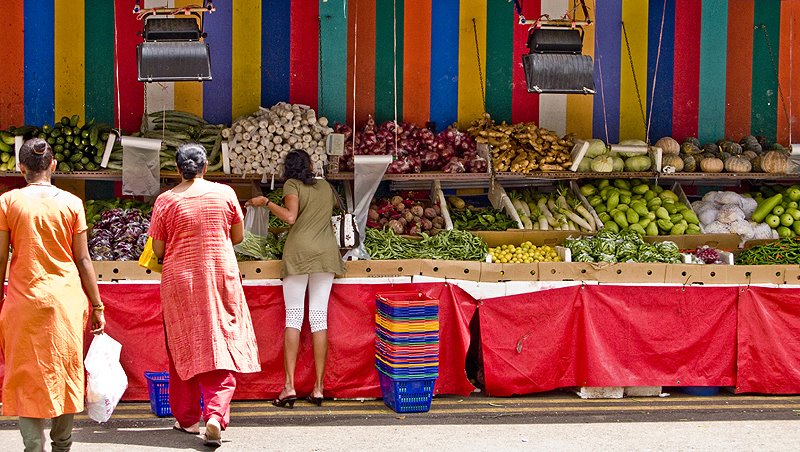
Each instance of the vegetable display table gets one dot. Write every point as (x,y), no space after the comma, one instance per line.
(534,336)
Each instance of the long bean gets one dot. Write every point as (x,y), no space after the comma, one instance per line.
(786,251)
(446,245)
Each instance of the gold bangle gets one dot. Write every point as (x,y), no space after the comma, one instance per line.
(98,308)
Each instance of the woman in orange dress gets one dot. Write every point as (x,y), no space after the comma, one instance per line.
(43,317)
(209,332)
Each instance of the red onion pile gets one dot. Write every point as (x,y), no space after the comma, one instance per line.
(418,149)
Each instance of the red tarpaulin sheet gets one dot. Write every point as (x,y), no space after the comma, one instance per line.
(133,316)
(769,341)
(604,335)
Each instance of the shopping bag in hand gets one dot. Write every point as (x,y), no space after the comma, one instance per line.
(105,379)
(148,259)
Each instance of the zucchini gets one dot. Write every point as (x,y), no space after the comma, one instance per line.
(4,147)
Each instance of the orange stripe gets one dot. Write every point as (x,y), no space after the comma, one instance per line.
(12,76)
(417,61)
(364,10)
(789,73)
(739,79)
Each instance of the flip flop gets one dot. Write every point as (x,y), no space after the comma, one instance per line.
(178,427)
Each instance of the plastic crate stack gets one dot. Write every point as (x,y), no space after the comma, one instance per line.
(407,349)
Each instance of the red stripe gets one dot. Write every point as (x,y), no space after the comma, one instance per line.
(365,80)
(524,106)
(12,75)
(686,78)
(304,53)
(128,90)
(739,79)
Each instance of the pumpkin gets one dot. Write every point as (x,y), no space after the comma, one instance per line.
(673,161)
(774,162)
(712,148)
(724,156)
(689,163)
(603,164)
(749,155)
(738,164)
(690,148)
(711,165)
(692,140)
(668,146)
(731,148)
(756,163)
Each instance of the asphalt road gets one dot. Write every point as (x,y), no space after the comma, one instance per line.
(555,421)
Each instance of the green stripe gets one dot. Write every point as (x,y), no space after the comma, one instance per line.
(765,66)
(99,53)
(499,59)
(333,61)
(384,60)
(713,57)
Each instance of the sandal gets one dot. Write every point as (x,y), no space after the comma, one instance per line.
(178,427)
(213,435)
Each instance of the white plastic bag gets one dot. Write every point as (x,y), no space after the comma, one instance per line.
(105,380)
(256,231)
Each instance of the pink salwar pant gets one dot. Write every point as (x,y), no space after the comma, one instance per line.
(216,386)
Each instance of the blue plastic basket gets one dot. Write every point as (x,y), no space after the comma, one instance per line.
(406,373)
(158,390)
(704,391)
(406,312)
(407,396)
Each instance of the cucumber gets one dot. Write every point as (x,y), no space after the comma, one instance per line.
(73,121)
(84,160)
(94,133)
(59,157)
(91,167)
(7,138)
(4,147)
(4,157)
(64,121)
(64,167)
(78,166)
(76,157)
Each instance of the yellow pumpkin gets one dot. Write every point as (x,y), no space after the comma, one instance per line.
(738,164)
(673,161)
(669,146)
(774,162)
(711,165)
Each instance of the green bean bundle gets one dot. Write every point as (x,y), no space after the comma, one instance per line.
(786,251)
(446,245)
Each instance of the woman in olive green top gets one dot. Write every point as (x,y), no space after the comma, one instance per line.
(310,260)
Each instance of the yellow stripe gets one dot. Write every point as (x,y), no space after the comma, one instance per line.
(580,107)
(631,125)
(246,57)
(470,104)
(189,95)
(69,58)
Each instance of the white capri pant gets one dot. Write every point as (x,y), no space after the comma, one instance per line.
(294,295)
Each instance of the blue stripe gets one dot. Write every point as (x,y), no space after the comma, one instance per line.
(659,108)
(218,93)
(444,62)
(333,61)
(39,62)
(275,45)
(607,34)
(713,60)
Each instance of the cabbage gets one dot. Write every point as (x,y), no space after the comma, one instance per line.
(596,148)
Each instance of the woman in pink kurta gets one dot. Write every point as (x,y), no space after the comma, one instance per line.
(208,327)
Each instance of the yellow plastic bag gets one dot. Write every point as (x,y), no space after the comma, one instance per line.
(148,258)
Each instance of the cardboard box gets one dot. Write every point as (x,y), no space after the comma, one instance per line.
(604,272)
(382,269)
(521,272)
(123,270)
(251,270)
(791,274)
(696,274)
(493,272)
(755,274)
(465,270)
